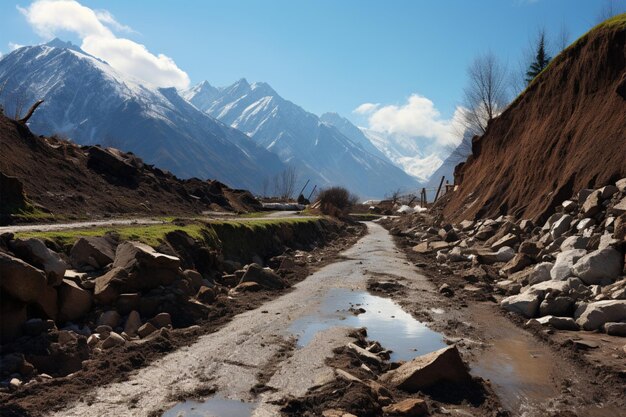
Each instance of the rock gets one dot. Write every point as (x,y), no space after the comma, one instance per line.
(65,337)
(540,273)
(263,276)
(607,191)
(35,252)
(146,330)
(113,340)
(585,223)
(346,376)
(615,329)
(422,248)
(569,206)
(248,287)
(106,289)
(365,355)
(128,302)
(562,268)
(526,225)
(526,304)
(561,226)
(21,280)
(93,251)
(583,194)
(15,383)
(446,290)
(161,320)
(48,302)
(444,365)
(411,407)
(456,255)
(109,318)
(206,295)
(505,254)
(593,316)
(194,277)
(519,262)
(619,231)
(620,207)
(559,323)
(574,242)
(621,185)
(599,266)
(529,248)
(593,204)
(74,302)
(557,306)
(93,340)
(509,239)
(133,323)
(486,257)
(466,225)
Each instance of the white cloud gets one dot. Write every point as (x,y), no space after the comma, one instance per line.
(366,108)
(13,46)
(95,28)
(418,117)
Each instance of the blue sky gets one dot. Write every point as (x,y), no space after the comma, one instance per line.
(330,55)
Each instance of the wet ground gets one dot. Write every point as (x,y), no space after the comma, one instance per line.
(281,348)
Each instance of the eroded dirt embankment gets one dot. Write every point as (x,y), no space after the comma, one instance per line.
(61,361)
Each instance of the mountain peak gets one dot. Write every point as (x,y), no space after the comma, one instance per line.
(264,88)
(58,43)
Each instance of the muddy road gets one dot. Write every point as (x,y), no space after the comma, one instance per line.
(280,349)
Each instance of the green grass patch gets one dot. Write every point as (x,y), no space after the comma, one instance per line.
(31,214)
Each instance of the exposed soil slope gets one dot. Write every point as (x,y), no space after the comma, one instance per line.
(89,181)
(566,132)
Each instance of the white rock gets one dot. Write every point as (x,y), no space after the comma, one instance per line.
(569,206)
(606,241)
(599,266)
(574,242)
(593,316)
(540,273)
(621,185)
(561,226)
(114,339)
(562,268)
(526,304)
(585,223)
(559,323)
(505,254)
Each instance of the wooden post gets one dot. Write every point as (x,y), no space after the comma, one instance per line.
(302,190)
(439,189)
(311,195)
(424,199)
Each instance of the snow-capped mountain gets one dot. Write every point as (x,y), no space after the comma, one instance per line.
(406,153)
(90,102)
(318,150)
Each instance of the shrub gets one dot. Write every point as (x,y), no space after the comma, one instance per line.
(336,201)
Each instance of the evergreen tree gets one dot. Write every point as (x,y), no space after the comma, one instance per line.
(541,59)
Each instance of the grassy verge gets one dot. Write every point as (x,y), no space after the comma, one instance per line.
(154,234)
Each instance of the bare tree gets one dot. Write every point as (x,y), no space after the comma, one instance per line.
(285,182)
(265,185)
(485,95)
(563,38)
(611,8)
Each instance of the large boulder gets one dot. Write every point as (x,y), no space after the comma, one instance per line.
(593,204)
(556,306)
(137,267)
(21,280)
(74,302)
(559,323)
(599,266)
(263,276)
(444,365)
(561,226)
(93,251)
(525,304)
(35,252)
(593,316)
(562,268)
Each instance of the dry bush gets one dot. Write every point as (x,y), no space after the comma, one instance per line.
(336,201)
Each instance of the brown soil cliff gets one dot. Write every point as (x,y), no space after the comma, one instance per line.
(566,132)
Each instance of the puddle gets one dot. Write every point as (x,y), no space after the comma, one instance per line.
(215,406)
(385,321)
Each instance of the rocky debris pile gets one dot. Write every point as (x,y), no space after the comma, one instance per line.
(60,310)
(567,273)
(367,384)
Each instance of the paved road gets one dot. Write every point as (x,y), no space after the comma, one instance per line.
(232,357)
(285,215)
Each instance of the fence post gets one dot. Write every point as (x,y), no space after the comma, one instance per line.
(439,189)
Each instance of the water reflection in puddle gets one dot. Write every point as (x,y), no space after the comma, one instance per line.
(215,406)
(385,321)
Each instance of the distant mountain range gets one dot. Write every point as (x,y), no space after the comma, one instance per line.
(244,134)
(327,150)
(91,103)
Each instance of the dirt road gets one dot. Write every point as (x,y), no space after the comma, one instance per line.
(258,358)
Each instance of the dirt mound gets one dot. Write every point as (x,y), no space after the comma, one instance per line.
(566,132)
(74,182)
